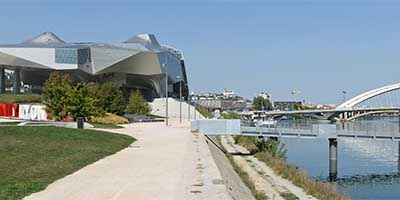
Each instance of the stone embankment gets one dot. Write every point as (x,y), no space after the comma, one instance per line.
(264,178)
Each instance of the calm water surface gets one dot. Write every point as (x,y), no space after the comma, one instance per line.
(367,169)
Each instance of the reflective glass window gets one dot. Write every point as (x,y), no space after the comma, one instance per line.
(66,55)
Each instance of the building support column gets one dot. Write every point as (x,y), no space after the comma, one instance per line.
(2,80)
(398,157)
(332,159)
(17,81)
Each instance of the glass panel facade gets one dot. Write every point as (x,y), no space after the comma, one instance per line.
(66,55)
(173,64)
(73,56)
(84,56)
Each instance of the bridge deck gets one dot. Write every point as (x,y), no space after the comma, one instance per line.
(318,131)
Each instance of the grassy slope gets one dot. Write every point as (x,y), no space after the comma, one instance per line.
(244,176)
(33,157)
(20,98)
(320,190)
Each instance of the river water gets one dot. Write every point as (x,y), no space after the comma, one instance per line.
(367,169)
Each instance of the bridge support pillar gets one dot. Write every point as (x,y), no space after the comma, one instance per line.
(2,80)
(345,116)
(332,159)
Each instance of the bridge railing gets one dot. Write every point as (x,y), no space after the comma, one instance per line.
(303,130)
(216,126)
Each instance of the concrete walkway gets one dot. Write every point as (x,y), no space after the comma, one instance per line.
(165,163)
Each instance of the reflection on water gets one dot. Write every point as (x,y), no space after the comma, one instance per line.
(388,179)
(367,169)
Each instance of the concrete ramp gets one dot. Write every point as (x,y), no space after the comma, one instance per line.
(158,108)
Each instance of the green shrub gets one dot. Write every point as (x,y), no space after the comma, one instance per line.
(109,97)
(109,118)
(80,104)
(137,104)
(55,97)
(62,99)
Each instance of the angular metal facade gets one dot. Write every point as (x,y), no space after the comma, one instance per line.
(138,63)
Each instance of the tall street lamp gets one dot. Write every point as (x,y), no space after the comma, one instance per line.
(166,91)
(188,100)
(194,109)
(180,99)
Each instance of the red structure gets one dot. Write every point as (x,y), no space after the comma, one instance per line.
(9,110)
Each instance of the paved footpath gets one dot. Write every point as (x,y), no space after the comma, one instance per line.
(165,163)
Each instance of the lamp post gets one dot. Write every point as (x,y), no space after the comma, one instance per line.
(166,91)
(180,99)
(188,99)
(344,96)
(194,110)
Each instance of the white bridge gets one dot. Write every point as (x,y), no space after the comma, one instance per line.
(382,100)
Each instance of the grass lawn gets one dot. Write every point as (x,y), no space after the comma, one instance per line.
(20,98)
(33,157)
(9,123)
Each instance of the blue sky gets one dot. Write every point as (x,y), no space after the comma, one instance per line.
(317,47)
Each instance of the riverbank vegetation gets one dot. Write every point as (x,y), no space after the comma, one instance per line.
(244,176)
(273,153)
(33,157)
(204,112)
(230,115)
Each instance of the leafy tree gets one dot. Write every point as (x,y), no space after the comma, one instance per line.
(80,103)
(260,103)
(109,97)
(54,95)
(137,104)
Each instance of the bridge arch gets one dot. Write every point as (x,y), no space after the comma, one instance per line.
(368,95)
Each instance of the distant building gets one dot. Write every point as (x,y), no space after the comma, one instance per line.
(228,94)
(285,105)
(225,101)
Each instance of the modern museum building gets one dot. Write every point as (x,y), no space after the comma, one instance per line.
(138,63)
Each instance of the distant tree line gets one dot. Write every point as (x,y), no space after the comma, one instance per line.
(260,103)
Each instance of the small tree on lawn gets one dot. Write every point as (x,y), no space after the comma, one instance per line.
(81,104)
(55,97)
(137,104)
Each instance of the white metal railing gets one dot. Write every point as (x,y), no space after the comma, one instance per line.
(303,130)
